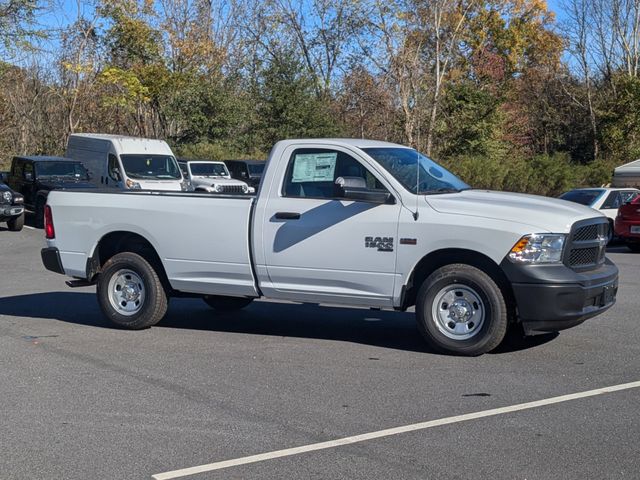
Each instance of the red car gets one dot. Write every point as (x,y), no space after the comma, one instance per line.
(627,224)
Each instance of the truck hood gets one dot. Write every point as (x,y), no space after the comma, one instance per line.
(215,181)
(165,185)
(544,213)
(66,184)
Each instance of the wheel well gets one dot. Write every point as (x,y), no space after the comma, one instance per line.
(118,242)
(431,262)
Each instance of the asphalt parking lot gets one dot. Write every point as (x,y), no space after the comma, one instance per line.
(81,400)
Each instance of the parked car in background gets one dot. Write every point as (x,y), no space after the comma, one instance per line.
(127,163)
(11,208)
(211,176)
(627,224)
(606,200)
(249,171)
(34,177)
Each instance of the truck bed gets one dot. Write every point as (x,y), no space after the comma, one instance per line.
(202,239)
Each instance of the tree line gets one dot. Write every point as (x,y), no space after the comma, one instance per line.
(499,91)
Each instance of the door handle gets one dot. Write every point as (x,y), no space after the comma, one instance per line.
(287,216)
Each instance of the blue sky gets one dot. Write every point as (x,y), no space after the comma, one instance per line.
(556,7)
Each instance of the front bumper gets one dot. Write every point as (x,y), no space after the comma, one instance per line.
(11,211)
(554,297)
(51,260)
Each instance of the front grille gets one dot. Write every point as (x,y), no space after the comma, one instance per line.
(232,189)
(588,232)
(587,244)
(580,257)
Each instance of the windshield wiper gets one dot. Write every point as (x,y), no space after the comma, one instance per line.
(437,191)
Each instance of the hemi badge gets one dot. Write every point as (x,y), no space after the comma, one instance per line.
(408,241)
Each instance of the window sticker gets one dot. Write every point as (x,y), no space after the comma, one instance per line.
(314,167)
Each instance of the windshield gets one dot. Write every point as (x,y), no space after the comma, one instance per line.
(416,172)
(255,168)
(151,167)
(72,170)
(209,170)
(583,197)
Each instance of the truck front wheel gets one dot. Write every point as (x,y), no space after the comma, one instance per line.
(226,304)
(130,292)
(461,310)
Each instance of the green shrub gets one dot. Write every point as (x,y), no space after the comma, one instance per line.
(548,175)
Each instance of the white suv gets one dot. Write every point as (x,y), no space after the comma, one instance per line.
(213,177)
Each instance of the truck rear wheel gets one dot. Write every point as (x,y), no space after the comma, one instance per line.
(16,223)
(130,292)
(461,310)
(226,304)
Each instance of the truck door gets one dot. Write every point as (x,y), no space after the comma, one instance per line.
(321,247)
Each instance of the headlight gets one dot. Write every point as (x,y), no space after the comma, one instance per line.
(251,190)
(538,248)
(18,199)
(217,188)
(7,196)
(186,186)
(133,185)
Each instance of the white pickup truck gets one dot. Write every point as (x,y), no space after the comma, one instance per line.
(352,222)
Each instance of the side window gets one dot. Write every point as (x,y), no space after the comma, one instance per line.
(628,196)
(17,168)
(312,173)
(113,167)
(612,201)
(28,171)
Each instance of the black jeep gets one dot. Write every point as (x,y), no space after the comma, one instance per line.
(249,171)
(35,177)
(11,208)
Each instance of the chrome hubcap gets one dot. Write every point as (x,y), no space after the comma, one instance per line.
(458,312)
(126,292)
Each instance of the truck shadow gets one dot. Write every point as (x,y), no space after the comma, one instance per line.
(314,221)
(386,329)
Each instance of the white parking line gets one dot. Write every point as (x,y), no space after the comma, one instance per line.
(29,228)
(389,432)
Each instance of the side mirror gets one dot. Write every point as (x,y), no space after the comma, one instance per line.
(28,176)
(355,188)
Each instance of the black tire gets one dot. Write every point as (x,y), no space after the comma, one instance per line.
(634,247)
(38,217)
(226,304)
(154,301)
(490,328)
(16,223)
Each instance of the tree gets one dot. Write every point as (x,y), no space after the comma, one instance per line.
(288,105)
(17,19)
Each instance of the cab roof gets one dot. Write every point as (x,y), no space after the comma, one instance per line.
(352,142)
